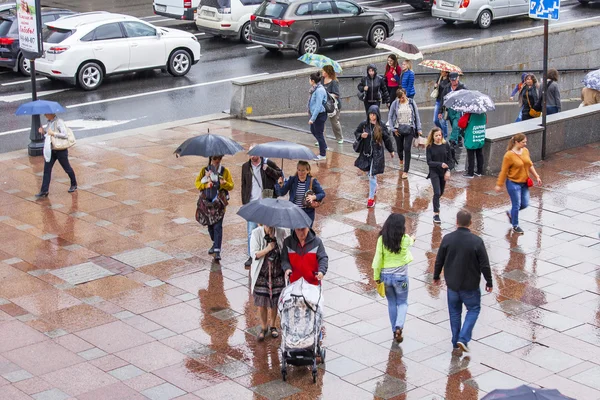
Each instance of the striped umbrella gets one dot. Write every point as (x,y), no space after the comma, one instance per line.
(319,61)
(441,65)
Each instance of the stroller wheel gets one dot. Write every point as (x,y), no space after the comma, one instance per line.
(323,354)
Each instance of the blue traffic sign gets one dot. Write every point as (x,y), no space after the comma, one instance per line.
(544,9)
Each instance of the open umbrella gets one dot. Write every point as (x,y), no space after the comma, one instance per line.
(525,392)
(40,107)
(319,61)
(207,146)
(592,80)
(275,212)
(282,149)
(401,48)
(469,101)
(441,65)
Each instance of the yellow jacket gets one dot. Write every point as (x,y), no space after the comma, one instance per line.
(226,177)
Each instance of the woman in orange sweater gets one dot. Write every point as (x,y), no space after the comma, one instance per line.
(516,169)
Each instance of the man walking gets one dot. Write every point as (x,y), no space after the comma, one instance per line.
(453,116)
(258,180)
(464,257)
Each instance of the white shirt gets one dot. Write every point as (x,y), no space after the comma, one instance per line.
(256,192)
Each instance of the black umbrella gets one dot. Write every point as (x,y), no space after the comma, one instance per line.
(207,146)
(276,213)
(282,149)
(401,48)
(525,393)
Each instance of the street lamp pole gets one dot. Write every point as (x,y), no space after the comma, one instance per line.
(545,89)
(36,144)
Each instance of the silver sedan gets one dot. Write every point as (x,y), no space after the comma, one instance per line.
(480,12)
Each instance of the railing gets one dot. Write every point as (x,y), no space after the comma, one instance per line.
(490,72)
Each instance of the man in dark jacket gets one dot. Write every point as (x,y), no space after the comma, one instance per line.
(374,88)
(453,115)
(258,175)
(464,258)
(303,256)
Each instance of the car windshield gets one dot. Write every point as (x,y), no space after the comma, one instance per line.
(55,35)
(271,9)
(5,25)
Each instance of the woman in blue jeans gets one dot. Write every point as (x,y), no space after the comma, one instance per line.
(318,116)
(516,169)
(390,266)
(442,83)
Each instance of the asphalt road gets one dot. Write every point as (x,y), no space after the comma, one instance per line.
(148,98)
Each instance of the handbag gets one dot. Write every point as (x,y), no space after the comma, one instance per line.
(436,91)
(420,142)
(381,289)
(209,212)
(405,129)
(532,112)
(361,96)
(529,182)
(265,193)
(309,192)
(63,144)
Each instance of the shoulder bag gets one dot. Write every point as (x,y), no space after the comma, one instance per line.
(309,192)
(63,144)
(436,91)
(210,212)
(265,193)
(532,112)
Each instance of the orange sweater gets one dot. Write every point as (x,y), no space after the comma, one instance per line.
(515,167)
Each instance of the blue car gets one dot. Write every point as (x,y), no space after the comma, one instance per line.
(10,52)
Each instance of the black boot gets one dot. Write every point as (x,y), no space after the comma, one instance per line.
(41,194)
(72,188)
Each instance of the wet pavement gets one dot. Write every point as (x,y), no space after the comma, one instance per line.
(109,293)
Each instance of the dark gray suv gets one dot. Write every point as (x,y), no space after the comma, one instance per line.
(307,25)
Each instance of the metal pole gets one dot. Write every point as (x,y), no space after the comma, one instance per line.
(544,89)
(36,145)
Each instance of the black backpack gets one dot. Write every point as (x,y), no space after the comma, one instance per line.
(330,105)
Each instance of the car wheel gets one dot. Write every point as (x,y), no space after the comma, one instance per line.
(310,44)
(449,21)
(180,63)
(418,6)
(485,19)
(377,35)
(24,65)
(245,33)
(90,76)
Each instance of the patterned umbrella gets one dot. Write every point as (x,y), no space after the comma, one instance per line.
(469,101)
(592,80)
(401,48)
(320,61)
(441,65)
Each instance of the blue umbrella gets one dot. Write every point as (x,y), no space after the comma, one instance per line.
(276,213)
(592,80)
(207,146)
(40,107)
(282,149)
(525,392)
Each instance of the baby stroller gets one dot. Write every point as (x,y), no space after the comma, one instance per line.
(300,309)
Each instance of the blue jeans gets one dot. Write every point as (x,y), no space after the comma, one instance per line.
(551,110)
(519,198)
(472,300)
(396,292)
(372,182)
(440,123)
(520,117)
(250,226)
(317,128)
(216,235)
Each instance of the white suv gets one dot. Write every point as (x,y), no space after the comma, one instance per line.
(84,48)
(227,17)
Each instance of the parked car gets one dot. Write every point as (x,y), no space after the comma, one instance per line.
(226,17)
(480,12)
(178,9)
(420,4)
(6,8)
(83,49)
(307,25)
(10,52)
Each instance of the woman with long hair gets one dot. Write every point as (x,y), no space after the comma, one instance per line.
(390,266)
(266,275)
(517,168)
(553,104)
(408,78)
(318,115)
(331,84)
(442,82)
(372,136)
(440,162)
(405,123)
(392,75)
(305,191)
(530,96)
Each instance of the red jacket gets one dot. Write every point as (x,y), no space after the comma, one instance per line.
(304,261)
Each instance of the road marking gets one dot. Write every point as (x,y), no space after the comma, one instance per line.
(253,47)
(82,125)
(15,131)
(367,56)
(401,6)
(133,96)
(26,96)
(151,16)
(23,81)
(200,34)
(416,12)
(444,43)
(553,25)
(370,2)
(162,20)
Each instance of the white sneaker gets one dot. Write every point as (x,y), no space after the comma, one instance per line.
(320,158)
(316,144)
(341,141)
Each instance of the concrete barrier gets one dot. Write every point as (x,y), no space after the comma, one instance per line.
(571,46)
(565,130)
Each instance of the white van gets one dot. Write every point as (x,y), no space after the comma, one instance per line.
(227,17)
(178,9)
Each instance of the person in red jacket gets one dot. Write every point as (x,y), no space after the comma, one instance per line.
(303,256)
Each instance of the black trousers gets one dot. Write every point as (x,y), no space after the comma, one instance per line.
(439,184)
(404,147)
(62,156)
(471,155)
(369,104)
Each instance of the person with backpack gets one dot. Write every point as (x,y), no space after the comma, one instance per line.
(56,129)
(318,114)
(474,128)
(371,137)
(405,123)
(332,86)
(372,89)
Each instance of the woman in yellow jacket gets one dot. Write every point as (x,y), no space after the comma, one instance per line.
(215,178)
(390,265)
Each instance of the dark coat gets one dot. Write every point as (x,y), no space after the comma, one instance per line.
(372,150)
(268,178)
(534,98)
(377,87)
(292,184)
